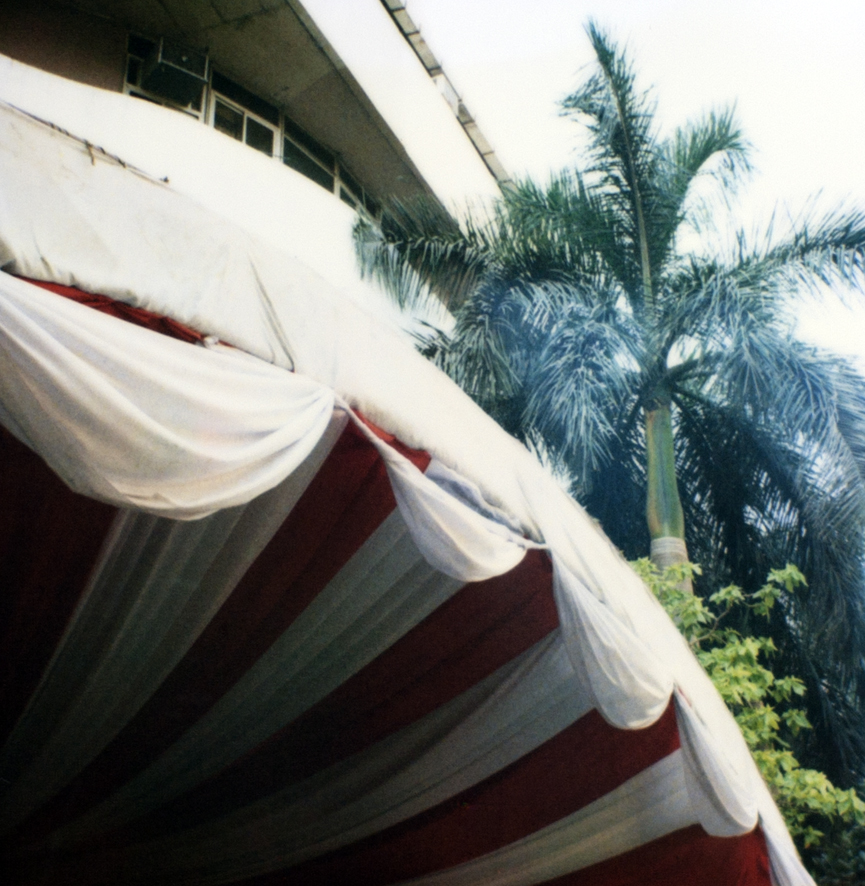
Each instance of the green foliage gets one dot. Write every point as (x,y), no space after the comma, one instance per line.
(763,704)
(582,305)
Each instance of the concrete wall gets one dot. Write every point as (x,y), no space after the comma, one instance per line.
(64,41)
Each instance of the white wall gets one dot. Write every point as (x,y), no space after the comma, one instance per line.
(265,198)
(390,73)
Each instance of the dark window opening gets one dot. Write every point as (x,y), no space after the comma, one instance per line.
(259,136)
(226,119)
(373,207)
(305,140)
(140,46)
(295,158)
(244,98)
(133,70)
(350,182)
(175,73)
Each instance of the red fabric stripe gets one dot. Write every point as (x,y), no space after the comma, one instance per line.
(477,631)
(139,316)
(50,539)
(576,767)
(346,501)
(417,457)
(48,544)
(689,857)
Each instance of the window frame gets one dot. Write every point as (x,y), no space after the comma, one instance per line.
(215,97)
(344,187)
(135,89)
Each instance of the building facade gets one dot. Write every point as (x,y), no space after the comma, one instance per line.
(345,96)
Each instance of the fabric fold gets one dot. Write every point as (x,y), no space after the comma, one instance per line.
(454,537)
(631,688)
(785,866)
(722,797)
(134,418)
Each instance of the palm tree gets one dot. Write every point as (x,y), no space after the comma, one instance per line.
(664,379)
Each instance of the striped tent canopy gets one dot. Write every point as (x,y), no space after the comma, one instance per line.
(280,604)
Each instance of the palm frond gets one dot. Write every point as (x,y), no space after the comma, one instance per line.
(711,148)
(789,395)
(619,118)
(383,263)
(492,347)
(432,341)
(828,250)
(749,504)
(565,231)
(850,411)
(715,137)
(582,380)
(616,494)
(623,148)
(718,304)
(419,248)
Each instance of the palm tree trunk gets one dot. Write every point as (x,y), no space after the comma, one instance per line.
(664,514)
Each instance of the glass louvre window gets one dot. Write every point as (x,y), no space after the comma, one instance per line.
(227,120)
(297,159)
(234,122)
(259,136)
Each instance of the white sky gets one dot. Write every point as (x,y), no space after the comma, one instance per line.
(795,69)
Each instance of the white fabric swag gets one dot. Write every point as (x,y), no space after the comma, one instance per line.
(144,444)
(140,420)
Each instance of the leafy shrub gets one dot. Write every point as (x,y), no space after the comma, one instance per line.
(764,706)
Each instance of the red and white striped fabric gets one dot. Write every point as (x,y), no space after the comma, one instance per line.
(265,641)
(330,709)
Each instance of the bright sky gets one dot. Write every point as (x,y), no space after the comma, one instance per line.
(795,70)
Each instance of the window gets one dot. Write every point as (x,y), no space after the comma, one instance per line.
(240,124)
(259,136)
(297,159)
(240,114)
(243,97)
(302,152)
(146,65)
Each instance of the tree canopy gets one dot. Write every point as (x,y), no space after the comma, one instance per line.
(606,320)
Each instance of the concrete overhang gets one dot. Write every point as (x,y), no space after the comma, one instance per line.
(278,50)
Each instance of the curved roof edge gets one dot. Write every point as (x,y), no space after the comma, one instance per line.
(411,32)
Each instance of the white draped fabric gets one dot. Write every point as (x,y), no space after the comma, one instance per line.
(630,688)
(154,590)
(651,805)
(460,744)
(173,430)
(452,536)
(145,421)
(723,797)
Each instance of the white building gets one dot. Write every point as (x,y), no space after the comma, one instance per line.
(333,91)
